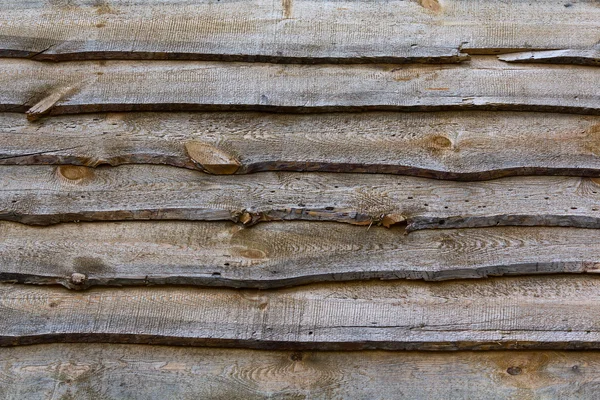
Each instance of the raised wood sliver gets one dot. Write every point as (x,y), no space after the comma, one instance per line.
(281,254)
(302,31)
(47,195)
(140,372)
(506,313)
(582,57)
(484,84)
(446,145)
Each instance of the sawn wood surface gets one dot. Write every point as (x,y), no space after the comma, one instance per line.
(300,31)
(497,313)
(463,145)
(281,254)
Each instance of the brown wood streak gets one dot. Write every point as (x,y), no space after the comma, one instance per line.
(42,195)
(302,31)
(281,254)
(486,84)
(501,313)
(446,145)
(98,371)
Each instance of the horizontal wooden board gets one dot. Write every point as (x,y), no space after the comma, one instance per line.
(43,195)
(582,57)
(281,254)
(485,84)
(463,145)
(100,371)
(292,31)
(498,313)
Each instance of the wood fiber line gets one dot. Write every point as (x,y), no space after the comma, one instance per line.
(138,372)
(281,254)
(462,145)
(502,313)
(292,31)
(42,195)
(484,84)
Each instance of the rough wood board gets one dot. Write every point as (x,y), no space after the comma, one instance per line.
(484,84)
(281,254)
(42,195)
(582,57)
(447,145)
(292,31)
(498,313)
(97,371)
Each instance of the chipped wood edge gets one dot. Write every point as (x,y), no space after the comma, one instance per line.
(576,57)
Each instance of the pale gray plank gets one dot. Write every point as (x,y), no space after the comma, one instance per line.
(281,254)
(292,31)
(498,313)
(100,371)
(43,195)
(447,145)
(484,84)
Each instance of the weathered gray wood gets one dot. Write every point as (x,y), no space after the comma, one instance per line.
(582,57)
(485,84)
(448,145)
(292,31)
(43,195)
(99,371)
(498,313)
(280,254)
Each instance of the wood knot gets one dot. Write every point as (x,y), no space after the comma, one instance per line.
(392,219)
(433,5)
(75,172)
(441,142)
(211,159)
(296,356)
(77,279)
(514,370)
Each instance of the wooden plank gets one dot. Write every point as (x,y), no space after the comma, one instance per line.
(307,31)
(485,84)
(99,371)
(41,195)
(447,145)
(582,57)
(498,313)
(281,254)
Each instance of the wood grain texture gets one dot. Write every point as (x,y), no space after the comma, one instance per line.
(484,84)
(581,57)
(306,31)
(42,195)
(97,371)
(447,145)
(281,254)
(498,313)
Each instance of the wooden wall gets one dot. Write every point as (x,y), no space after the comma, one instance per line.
(299,199)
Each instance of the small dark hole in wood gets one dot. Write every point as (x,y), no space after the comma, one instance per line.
(514,371)
(329,208)
(575,368)
(573,208)
(216,274)
(441,222)
(310,333)
(226,264)
(296,357)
